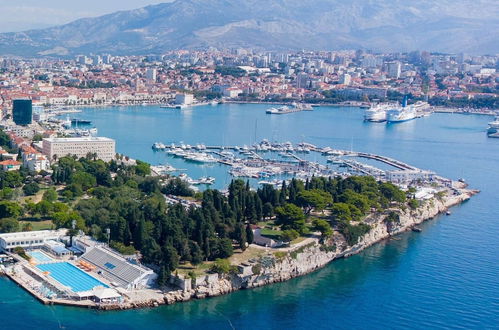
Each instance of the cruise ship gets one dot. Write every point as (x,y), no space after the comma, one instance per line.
(377,113)
(493,130)
(401,114)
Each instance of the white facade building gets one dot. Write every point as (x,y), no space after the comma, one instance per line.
(151,74)
(394,69)
(409,175)
(30,239)
(184,99)
(80,146)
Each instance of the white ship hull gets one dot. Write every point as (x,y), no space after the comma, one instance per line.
(375,115)
(400,115)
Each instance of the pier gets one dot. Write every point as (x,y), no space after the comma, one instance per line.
(250,161)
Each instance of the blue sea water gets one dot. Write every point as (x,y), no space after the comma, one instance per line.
(445,277)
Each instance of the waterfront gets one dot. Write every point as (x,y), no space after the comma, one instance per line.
(444,276)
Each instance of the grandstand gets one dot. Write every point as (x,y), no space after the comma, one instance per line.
(116,269)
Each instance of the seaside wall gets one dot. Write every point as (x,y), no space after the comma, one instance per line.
(278,267)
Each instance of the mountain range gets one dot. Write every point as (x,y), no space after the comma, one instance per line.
(470,26)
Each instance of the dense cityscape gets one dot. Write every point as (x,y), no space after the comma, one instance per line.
(456,81)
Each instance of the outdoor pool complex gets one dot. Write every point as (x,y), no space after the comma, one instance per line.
(39,256)
(71,276)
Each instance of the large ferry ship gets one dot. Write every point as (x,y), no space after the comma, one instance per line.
(401,114)
(493,130)
(377,113)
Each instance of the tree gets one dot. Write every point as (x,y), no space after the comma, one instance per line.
(341,212)
(323,226)
(50,195)
(289,235)
(268,210)
(290,216)
(27,226)
(44,208)
(196,253)
(10,209)
(240,236)
(225,248)
(249,234)
(221,266)
(83,179)
(31,189)
(392,192)
(37,138)
(413,203)
(163,276)
(142,168)
(9,225)
(313,199)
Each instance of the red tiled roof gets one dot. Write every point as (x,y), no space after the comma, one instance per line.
(9,162)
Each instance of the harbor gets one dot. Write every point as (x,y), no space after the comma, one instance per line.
(271,163)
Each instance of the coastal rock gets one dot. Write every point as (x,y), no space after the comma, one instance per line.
(313,256)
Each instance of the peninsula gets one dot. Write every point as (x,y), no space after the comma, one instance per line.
(106,237)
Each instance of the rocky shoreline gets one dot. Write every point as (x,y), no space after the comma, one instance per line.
(276,267)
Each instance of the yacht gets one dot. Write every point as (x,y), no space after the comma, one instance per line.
(207,180)
(158,146)
(401,114)
(201,157)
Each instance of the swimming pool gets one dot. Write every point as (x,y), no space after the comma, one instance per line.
(39,256)
(71,276)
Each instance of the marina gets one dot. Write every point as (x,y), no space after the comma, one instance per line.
(282,161)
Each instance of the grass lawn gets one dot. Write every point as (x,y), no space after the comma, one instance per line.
(274,234)
(298,240)
(37,225)
(185,269)
(239,257)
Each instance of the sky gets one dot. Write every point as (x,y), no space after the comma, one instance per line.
(20,15)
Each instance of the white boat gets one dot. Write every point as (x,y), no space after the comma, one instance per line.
(201,158)
(208,180)
(158,146)
(67,123)
(334,160)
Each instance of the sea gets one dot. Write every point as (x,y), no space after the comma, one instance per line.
(446,277)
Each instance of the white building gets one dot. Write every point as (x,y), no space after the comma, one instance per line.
(393,69)
(30,239)
(80,146)
(232,92)
(184,99)
(345,79)
(409,175)
(151,74)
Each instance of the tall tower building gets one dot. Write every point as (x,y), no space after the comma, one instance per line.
(22,111)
